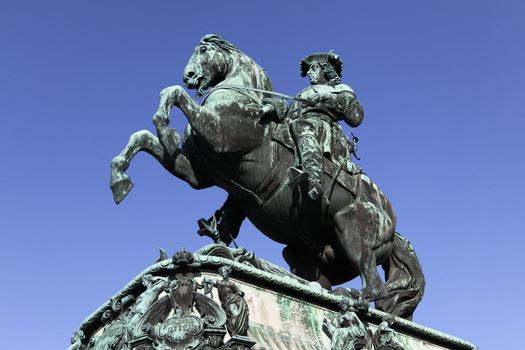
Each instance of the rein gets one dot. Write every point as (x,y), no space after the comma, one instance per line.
(239,89)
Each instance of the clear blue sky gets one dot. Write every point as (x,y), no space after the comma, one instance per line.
(442,84)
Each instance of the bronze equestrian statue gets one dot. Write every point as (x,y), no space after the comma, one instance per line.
(332,238)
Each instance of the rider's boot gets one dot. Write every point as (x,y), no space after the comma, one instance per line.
(312,163)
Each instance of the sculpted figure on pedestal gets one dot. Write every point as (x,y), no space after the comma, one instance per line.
(330,239)
(233,304)
(385,338)
(346,331)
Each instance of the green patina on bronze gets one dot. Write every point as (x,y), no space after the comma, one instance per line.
(313,322)
(286,167)
(285,309)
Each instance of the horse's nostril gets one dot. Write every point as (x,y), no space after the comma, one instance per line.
(190,74)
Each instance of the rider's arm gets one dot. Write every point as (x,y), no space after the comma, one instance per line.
(346,104)
(343,104)
(273,109)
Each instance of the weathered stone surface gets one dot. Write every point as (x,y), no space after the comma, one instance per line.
(160,305)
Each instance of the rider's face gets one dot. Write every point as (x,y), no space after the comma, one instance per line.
(316,74)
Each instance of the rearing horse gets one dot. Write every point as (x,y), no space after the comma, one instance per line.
(225,145)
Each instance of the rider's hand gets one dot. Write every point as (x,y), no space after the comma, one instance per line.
(266,113)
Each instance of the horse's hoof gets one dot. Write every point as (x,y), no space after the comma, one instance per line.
(121,188)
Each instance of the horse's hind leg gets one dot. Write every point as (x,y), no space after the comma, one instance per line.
(305,264)
(358,228)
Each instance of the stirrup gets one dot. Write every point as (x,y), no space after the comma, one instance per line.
(297,176)
(315,190)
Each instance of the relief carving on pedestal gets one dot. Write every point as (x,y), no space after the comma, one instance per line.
(175,313)
(346,331)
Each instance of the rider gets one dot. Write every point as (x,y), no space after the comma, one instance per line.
(318,108)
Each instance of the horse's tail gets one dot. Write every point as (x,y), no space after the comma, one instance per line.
(404,280)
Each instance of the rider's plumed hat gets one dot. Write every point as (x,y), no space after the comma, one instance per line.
(322,58)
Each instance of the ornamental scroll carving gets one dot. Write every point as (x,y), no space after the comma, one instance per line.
(176,313)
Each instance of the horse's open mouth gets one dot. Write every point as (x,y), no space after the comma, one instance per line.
(199,82)
(193,83)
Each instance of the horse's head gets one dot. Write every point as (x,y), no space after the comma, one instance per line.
(216,60)
(209,63)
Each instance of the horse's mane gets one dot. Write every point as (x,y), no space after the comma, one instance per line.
(220,43)
(217,42)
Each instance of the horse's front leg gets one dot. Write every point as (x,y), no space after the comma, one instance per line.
(169,137)
(142,140)
(222,136)
(203,121)
(177,163)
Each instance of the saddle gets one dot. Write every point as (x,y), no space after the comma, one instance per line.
(343,173)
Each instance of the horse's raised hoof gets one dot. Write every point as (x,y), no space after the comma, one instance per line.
(121,188)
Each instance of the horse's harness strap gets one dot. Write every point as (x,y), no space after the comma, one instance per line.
(223,177)
(268,187)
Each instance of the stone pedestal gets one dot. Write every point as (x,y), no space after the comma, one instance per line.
(184,303)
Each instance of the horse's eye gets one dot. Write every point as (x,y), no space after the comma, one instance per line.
(202,49)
